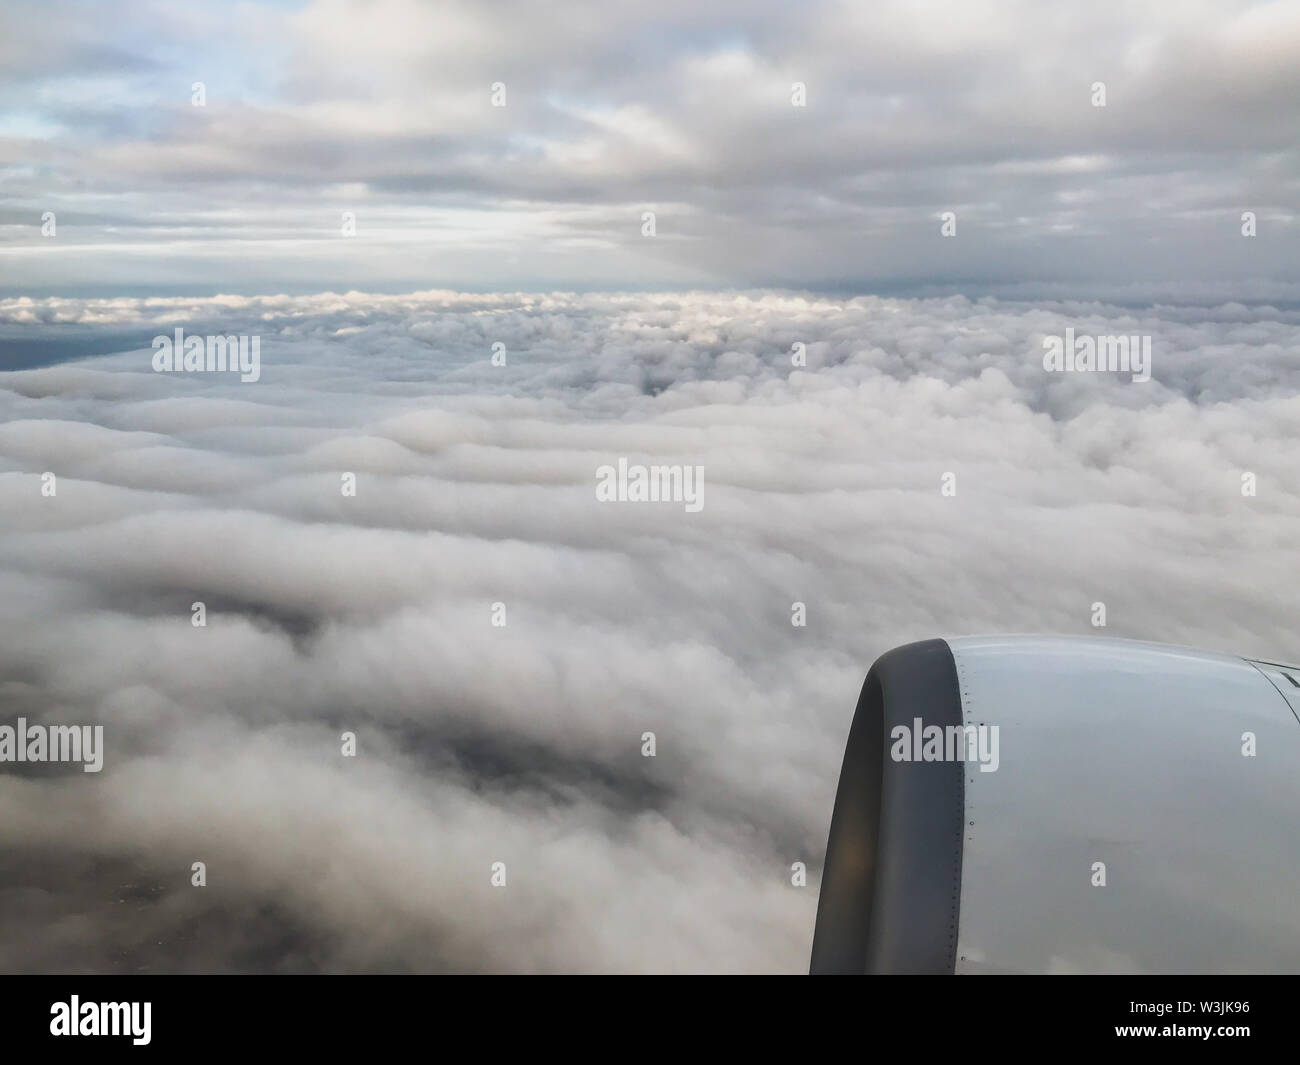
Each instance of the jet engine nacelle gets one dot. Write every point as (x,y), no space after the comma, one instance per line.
(1055,804)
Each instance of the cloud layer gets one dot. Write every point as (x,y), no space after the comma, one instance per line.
(476,486)
(385,109)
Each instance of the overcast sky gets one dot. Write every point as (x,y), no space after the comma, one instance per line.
(385,109)
(823,478)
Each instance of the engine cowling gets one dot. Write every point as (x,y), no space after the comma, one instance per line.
(1057,804)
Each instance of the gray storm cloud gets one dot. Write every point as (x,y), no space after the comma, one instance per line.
(476,486)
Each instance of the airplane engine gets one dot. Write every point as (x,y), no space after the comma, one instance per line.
(1032,804)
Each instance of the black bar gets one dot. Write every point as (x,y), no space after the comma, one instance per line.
(380,1015)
